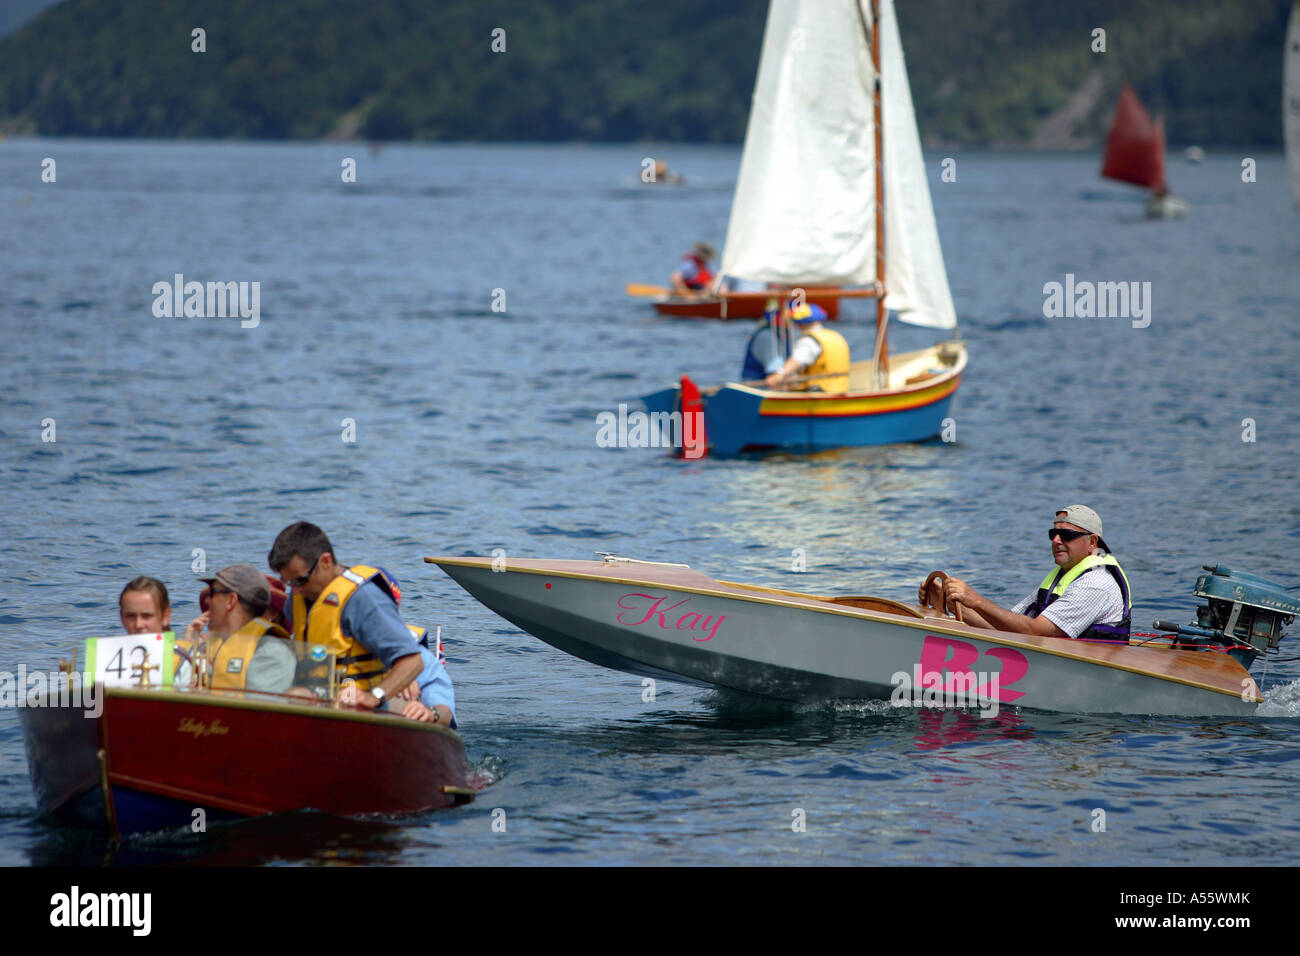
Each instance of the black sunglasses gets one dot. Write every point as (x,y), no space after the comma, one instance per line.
(302,579)
(1065,534)
(213,591)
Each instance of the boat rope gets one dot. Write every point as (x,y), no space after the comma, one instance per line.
(1175,645)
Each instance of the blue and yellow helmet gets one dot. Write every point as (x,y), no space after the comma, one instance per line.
(808,313)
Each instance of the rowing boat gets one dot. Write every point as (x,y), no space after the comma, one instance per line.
(736,305)
(668,621)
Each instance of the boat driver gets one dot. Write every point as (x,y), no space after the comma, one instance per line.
(238,657)
(353,612)
(820,354)
(1086,596)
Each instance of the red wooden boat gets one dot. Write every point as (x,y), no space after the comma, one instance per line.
(153,757)
(739,305)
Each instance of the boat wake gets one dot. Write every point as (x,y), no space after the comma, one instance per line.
(856,708)
(1281,701)
(489,770)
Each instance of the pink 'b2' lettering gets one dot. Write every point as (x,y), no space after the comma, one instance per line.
(939,654)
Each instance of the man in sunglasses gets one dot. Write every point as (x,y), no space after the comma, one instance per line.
(238,656)
(1086,596)
(352,611)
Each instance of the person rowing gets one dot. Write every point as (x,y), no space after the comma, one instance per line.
(1085,597)
(694,277)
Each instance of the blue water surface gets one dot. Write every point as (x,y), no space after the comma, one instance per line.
(475,429)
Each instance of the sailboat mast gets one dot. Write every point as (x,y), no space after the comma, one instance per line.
(880,355)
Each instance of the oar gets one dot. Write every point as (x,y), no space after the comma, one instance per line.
(641,289)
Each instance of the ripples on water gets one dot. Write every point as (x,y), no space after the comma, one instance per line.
(476,430)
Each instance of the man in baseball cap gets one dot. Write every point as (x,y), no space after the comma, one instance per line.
(820,355)
(1086,596)
(245,651)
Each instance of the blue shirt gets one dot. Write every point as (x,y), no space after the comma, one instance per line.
(371,617)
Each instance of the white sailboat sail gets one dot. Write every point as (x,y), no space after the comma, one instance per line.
(915,278)
(1291,99)
(805,204)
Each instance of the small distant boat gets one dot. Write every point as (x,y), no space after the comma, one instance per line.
(156,755)
(732,305)
(832,199)
(667,621)
(1135,153)
(1194,155)
(1291,99)
(655,172)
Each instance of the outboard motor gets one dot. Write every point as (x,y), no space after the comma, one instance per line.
(1243,615)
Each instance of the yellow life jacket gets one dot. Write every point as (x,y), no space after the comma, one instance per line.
(833,362)
(1056,581)
(323,625)
(230,657)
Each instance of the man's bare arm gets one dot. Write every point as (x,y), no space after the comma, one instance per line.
(998,618)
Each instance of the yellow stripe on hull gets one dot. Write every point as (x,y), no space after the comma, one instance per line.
(848,405)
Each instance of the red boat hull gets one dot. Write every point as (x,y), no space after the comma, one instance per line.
(741,305)
(242,755)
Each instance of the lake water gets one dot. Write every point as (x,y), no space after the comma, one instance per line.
(476,429)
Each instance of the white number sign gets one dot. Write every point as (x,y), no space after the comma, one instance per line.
(119,661)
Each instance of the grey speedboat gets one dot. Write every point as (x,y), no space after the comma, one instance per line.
(671,622)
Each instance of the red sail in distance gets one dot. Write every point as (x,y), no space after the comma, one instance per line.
(1135,149)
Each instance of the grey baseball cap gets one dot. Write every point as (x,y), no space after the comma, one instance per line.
(1081,516)
(246,581)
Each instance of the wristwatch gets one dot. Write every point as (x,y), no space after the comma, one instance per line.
(378,694)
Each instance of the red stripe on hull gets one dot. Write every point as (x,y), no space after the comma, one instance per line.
(742,308)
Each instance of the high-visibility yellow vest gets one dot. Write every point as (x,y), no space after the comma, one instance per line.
(1056,581)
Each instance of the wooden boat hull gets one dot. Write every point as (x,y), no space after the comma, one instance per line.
(739,417)
(674,623)
(154,756)
(742,305)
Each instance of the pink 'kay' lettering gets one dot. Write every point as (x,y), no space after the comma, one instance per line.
(656,613)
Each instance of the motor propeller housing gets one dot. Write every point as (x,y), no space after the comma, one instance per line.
(1243,614)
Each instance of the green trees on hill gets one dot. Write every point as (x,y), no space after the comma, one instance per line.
(983,72)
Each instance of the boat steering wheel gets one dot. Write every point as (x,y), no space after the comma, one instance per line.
(925,595)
